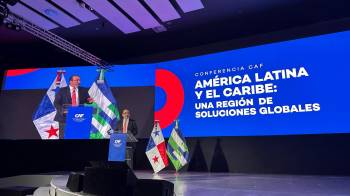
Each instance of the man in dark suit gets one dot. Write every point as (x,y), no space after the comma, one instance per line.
(72,95)
(126,124)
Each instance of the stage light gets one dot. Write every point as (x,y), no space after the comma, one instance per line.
(4,11)
(12,26)
(89,8)
(18,28)
(9,25)
(159,29)
(84,5)
(81,3)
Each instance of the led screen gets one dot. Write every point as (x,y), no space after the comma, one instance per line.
(291,87)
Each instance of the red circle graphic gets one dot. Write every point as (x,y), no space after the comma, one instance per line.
(175,97)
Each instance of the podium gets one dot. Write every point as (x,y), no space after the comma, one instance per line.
(130,138)
(78,121)
(129,157)
(121,147)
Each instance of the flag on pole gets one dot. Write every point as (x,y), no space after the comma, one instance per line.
(44,116)
(156,151)
(177,149)
(106,114)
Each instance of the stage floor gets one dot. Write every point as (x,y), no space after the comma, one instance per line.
(222,184)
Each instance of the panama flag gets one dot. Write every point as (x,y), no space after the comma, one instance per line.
(156,151)
(44,116)
(177,149)
(106,114)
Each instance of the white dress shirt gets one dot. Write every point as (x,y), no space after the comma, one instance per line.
(126,122)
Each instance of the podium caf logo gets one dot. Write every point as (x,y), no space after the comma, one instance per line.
(79,118)
(117,143)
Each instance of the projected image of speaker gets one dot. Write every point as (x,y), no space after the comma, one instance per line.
(114,178)
(154,187)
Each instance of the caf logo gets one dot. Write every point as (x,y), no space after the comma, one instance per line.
(79,118)
(79,115)
(117,143)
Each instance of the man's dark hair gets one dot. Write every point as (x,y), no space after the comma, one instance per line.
(71,78)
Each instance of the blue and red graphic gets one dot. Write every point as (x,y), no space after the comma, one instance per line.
(19,72)
(175,97)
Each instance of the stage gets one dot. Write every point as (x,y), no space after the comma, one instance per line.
(220,184)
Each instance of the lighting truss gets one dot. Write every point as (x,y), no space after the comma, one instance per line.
(56,40)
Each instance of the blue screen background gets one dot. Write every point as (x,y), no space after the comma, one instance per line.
(326,59)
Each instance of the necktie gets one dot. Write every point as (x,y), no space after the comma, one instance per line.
(74,98)
(124,126)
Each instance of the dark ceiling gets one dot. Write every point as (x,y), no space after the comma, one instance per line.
(220,20)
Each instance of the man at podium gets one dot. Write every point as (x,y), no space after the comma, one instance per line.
(72,95)
(127,124)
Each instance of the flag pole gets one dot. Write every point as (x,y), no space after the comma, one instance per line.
(101,77)
(176,127)
(156,123)
(59,72)
(177,124)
